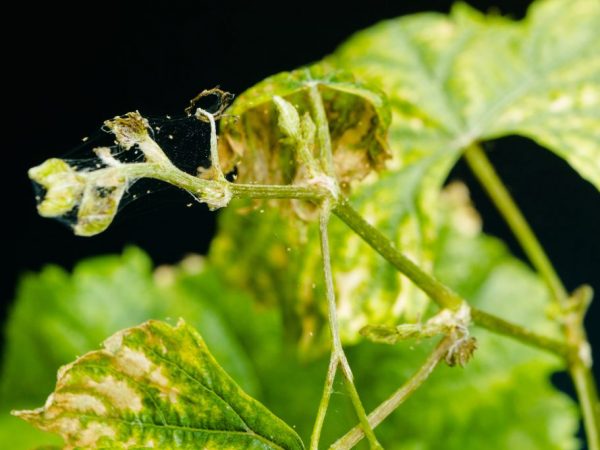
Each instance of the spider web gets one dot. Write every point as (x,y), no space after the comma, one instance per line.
(183,138)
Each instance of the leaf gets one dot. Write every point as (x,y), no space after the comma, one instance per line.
(502,399)
(446,76)
(92,195)
(86,193)
(453,80)
(63,187)
(368,289)
(156,385)
(504,381)
(358,119)
(58,316)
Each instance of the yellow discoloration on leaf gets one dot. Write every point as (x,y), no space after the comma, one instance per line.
(120,394)
(114,343)
(156,386)
(94,432)
(275,118)
(168,390)
(80,402)
(133,362)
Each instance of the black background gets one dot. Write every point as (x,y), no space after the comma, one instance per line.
(69,69)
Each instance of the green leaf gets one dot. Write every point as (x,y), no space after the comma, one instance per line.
(262,152)
(505,380)
(368,288)
(156,385)
(453,80)
(58,316)
(502,399)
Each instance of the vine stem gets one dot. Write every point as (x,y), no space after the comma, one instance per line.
(172,175)
(578,359)
(493,185)
(323,136)
(437,291)
(324,403)
(221,189)
(338,357)
(342,208)
(379,414)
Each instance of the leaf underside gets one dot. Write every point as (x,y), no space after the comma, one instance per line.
(358,117)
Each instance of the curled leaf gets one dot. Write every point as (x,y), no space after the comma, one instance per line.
(87,195)
(129,130)
(357,115)
(384,334)
(88,200)
(223,100)
(289,120)
(156,386)
(63,185)
(100,203)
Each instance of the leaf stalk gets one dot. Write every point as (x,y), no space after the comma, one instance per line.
(578,347)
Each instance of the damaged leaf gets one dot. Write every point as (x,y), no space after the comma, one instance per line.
(465,77)
(87,194)
(368,289)
(156,386)
(358,117)
(63,185)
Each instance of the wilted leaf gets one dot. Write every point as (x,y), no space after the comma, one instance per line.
(156,386)
(368,288)
(358,116)
(86,193)
(63,185)
(91,195)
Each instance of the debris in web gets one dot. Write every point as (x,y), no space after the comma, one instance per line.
(215,101)
(86,190)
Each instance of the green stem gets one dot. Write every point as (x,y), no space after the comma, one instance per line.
(337,351)
(197,186)
(380,413)
(441,294)
(278,191)
(329,289)
(522,334)
(323,136)
(578,345)
(324,403)
(491,182)
(585,385)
